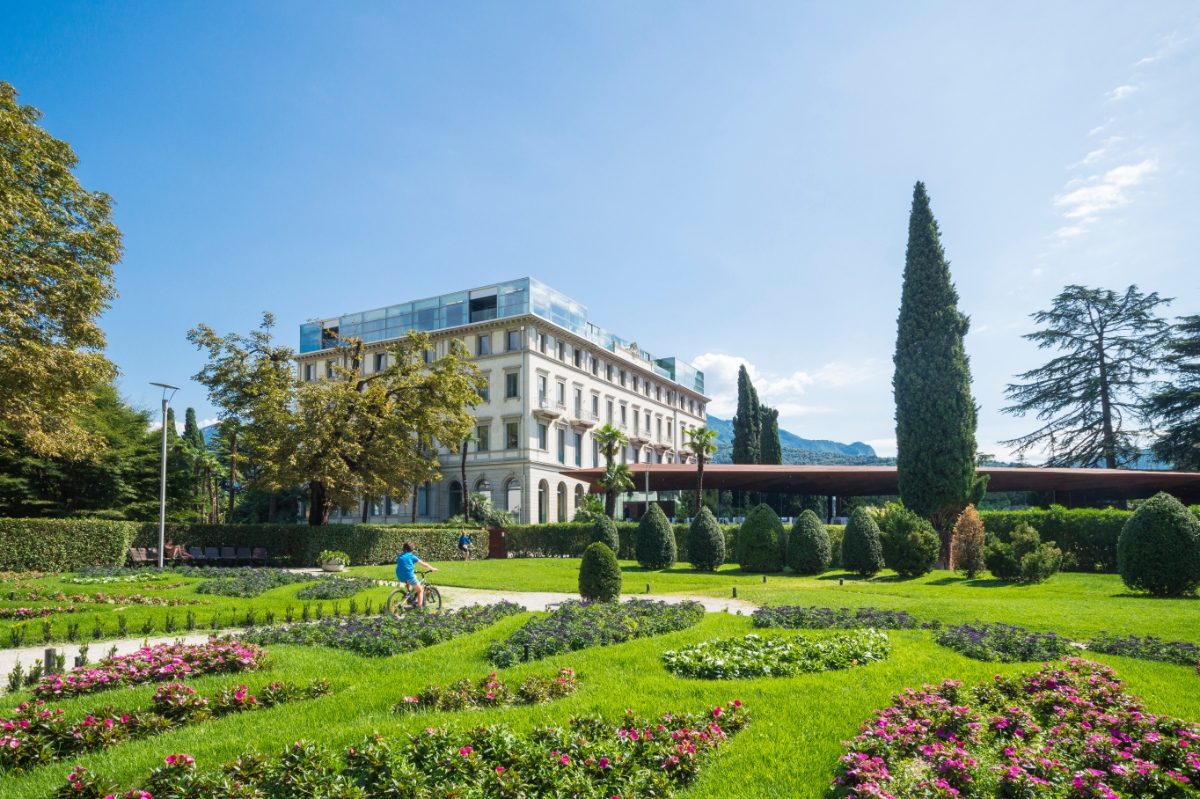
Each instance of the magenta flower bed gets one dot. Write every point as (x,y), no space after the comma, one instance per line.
(160,663)
(1067,731)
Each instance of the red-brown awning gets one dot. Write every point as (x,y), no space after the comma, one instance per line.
(849,481)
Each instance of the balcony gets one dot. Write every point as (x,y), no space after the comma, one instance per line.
(585,420)
(549,410)
(639,437)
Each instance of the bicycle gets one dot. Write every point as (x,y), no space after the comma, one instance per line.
(405,598)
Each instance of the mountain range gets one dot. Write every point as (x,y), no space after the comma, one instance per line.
(798,450)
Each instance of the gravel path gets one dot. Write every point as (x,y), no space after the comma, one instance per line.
(452,598)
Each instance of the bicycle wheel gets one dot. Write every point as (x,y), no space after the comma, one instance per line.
(395,601)
(433,599)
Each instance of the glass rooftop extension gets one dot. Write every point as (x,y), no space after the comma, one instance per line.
(499,301)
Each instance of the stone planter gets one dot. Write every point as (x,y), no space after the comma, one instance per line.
(333,566)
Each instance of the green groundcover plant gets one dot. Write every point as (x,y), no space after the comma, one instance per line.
(1148,647)
(798,617)
(758,656)
(576,626)
(250,582)
(386,635)
(1068,731)
(491,691)
(38,733)
(335,588)
(1003,642)
(588,758)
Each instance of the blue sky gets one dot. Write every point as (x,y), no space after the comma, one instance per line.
(724,182)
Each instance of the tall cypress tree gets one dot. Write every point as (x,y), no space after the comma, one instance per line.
(769,450)
(191,431)
(935,412)
(746,422)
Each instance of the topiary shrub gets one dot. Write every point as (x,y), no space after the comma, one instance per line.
(655,543)
(1024,558)
(761,541)
(966,543)
(861,550)
(706,542)
(599,574)
(808,549)
(605,531)
(1159,548)
(909,543)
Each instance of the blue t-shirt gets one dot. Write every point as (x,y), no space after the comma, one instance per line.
(464,540)
(404,567)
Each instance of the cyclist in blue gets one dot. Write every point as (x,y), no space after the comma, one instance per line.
(406,561)
(464,544)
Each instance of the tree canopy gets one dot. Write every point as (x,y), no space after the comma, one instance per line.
(1175,405)
(58,245)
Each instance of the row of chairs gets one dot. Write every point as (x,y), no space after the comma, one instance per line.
(200,556)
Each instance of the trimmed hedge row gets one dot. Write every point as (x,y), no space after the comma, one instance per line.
(570,539)
(1087,536)
(62,544)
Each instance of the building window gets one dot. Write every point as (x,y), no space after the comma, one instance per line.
(561,350)
(595,367)
(562,446)
(646,417)
(329,370)
(578,358)
(658,393)
(562,502)
(578,496)
(308,372)
(512,339)
(541,430)
(560,394)
(635,383)
(624,416)
(595,452)
(423,499)
(579,449)
(456,498)
(428,356)
(543,501)
(483,344)
(485,390)
(541,340)
(608,410)
(579,403)
(658,426)
(483,438)
(596,406)
(541,389)
(512,435)
(668,428)
(512,385)
(608,372)
(623,377)
(636,453)
(380,361)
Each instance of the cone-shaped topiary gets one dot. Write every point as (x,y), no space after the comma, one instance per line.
(967,542)
(1159,548)
(655,543)
(761,541)
(808,550)
(706,542)
(599,574)
(861,550)
(605,531)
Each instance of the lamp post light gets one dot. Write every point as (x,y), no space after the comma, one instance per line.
(162,471)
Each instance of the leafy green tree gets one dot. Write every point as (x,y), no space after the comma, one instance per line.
(935,412)
(599,574)
(910,544)
(769,448)
(191,431)
(617,478)
(611,441)
(1159,548)
(861,549)
(591,510)
(761,541)
(58,246)
(701,442)
(1088,396)
(1175,406)
(706,542)
(808,549)
(654,545)
(747,423)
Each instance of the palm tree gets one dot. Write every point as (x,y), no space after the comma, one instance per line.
(702,441)
(617,477)
(611,441)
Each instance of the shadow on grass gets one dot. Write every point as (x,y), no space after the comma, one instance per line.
(1140,595)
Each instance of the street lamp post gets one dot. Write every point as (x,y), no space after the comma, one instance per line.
(162,472)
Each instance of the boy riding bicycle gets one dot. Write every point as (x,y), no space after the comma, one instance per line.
(406,562)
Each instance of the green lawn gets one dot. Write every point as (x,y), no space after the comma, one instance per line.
(790,748)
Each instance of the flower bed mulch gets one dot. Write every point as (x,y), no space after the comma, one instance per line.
(1069,730)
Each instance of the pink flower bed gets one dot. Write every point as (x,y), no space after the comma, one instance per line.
(20,614)
(164,662)
(1068,731)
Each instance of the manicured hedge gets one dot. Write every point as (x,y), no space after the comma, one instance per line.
(62,544)
(570,539)
(1087,536)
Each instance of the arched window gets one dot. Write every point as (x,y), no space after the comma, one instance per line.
(512,497)
(543,504)
(456,498)
(578,496)
(562,502)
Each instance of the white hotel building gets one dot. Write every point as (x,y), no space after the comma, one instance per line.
(552,378)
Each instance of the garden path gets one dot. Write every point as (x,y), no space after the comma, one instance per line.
(452,599)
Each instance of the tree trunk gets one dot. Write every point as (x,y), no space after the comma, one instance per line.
(366,509)
(1110,449)
(699,485)
(465,510)
(272,505)
(610,502)
(232,473)
(943,521)
(318,505)
(414,505)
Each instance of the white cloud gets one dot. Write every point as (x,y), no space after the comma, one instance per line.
(1150,59)
(1099,194)
(1121,92)
(1093,156)
(1096,131)
(781,391)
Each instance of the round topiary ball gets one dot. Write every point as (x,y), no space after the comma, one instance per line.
(861,550)
(599,574)
(761,541)
(1159,548)
(808,550)
(605,531)
(654,546)
(910,544)
(706,542)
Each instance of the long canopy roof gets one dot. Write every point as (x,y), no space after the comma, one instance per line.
(848,481)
